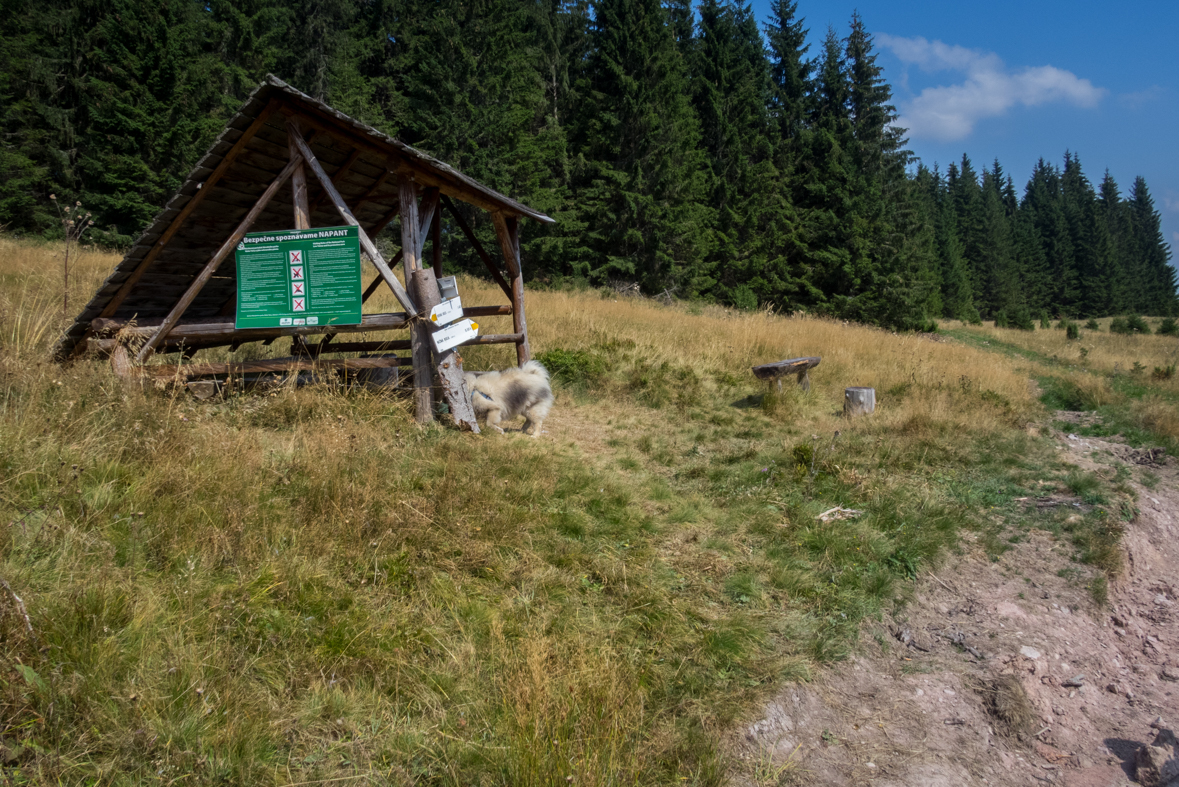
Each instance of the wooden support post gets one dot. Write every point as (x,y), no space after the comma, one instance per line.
(365,242)
(449,364)
(482,252)
(418,330)
(203,278)
(436,242)
(426,212)
(121,362)
(299,187)
(508,230)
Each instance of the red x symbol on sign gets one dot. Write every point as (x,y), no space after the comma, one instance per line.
(298,289)
(296,273)
(299,304)
(296,257)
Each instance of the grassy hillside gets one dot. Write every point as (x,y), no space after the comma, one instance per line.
(300,586)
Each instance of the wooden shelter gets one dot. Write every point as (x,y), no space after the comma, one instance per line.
(286,161)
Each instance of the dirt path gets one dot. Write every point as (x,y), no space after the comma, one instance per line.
(923,705)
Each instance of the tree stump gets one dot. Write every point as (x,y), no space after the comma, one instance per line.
(859,401)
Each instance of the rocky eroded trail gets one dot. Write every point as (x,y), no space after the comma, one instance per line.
(1004,673)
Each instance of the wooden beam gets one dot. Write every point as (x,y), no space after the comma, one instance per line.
(436,242)
(117,300)
(448,364)
(341,173)
(384,222)
(182,371)
(368,195)
(316,350)
(372,288)
(365,242)
(212,332)
(483,255)
(426,211)
(299,188)
(418,331)
(228,246)
(495,338)
(507,228)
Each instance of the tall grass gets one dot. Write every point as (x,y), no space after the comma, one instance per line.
(1096,350)
(299,585)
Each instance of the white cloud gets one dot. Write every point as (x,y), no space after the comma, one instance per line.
(1172,203)
(949,112)
(1141,98)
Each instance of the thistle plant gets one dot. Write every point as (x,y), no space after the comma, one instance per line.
(73,224)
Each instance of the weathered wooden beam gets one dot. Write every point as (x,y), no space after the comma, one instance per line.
(228,246)
(384,222)
(495,338)
(121,362)
(418,331)
(299,188)
(482,252)
(426,211)
(117,300)
(183,371)
(436,242)
(365,242)
(341,173)
(316,350)
(372,191)
(448,364)
(211,332)
(507,229)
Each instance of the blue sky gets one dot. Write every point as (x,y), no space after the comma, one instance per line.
(1019,81)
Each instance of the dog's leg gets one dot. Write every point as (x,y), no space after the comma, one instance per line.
(532,425)
(493,419)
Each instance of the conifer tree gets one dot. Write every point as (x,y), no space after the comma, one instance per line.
(1128,289)
(1153,253)
(1044,204)
(791,82)
(995,261)
(1092,247)
(730,89)
(642,177)
(957,296)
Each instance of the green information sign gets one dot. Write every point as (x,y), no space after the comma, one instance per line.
(299,278)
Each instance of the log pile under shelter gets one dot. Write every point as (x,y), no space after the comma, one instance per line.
(286,161)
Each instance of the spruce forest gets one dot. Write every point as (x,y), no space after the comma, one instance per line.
(691,150)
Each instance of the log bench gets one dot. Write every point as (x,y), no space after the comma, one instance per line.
(795,366)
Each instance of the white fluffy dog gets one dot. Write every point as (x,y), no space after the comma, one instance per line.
(500,396)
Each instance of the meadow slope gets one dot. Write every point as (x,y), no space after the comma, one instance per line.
(298,585)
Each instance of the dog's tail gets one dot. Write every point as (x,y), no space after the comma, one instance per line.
(534,367)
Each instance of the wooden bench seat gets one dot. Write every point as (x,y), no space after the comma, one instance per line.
(795,366)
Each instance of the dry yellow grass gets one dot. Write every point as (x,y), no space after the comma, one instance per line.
(1098,351)
(357,597)
(708,339)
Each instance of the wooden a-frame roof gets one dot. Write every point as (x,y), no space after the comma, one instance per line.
(364,164)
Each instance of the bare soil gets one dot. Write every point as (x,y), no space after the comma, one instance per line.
(918,706)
